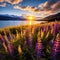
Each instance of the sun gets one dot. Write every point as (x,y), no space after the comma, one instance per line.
(30,19)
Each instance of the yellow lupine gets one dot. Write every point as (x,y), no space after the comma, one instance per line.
(21,34)
(47,35)
(42,34)
(39,33)
(5,47)
(5,36)
(32,31)
(19,49)
(17,36)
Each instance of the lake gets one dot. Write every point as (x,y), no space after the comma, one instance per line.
(15,23)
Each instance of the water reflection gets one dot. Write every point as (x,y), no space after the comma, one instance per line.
(16,23)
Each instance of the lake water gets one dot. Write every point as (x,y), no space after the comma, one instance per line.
(15,23)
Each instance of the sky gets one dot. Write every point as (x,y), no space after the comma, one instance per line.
(37,8)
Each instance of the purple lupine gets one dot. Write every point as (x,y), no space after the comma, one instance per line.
(8,45)
(47,29)
(9,37)
(38,49)
(10,49)
(42,28)
(56,49)
(55,28)
(30,41)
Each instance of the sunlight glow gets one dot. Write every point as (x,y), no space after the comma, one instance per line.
(31,19)
(30,22)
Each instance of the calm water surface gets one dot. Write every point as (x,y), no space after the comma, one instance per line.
(15,23)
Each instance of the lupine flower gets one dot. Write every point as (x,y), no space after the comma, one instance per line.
(19,49)
(17,35)
(30,40)
(46,29)
(11,37)
(42,34)
(55,28)
(6,38)
(52,29)
(24,33)
(38,47)
(47,34)
(56,48)
(7,45)
(33,31)
(10,49)
(21,34)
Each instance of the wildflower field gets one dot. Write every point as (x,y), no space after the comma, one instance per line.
(31,42)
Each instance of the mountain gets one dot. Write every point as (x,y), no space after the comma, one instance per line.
(21,18)
(11,17)
(51,17)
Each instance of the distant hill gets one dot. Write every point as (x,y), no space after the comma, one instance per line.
(51,18)
(14,17)
(11,17)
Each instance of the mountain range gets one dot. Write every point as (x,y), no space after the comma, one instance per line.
(51,18)
(11,17)
(21,18)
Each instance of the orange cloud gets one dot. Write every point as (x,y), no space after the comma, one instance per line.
(14,1)
(50,7)
(43,9)
(1,1)
(56,6)
(24,8)
(29,8)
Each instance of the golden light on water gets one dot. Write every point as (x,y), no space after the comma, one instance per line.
(30,22)
(31,19)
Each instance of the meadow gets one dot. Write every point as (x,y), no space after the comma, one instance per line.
(30,42)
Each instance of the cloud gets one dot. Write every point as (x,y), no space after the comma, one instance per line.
(3,4)
(50,7)
(29,8)
(24,8)
(56,6)
(44,9)
(1,1)
(14,1)
(16,7)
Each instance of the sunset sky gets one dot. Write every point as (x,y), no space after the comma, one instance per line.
(38,8)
